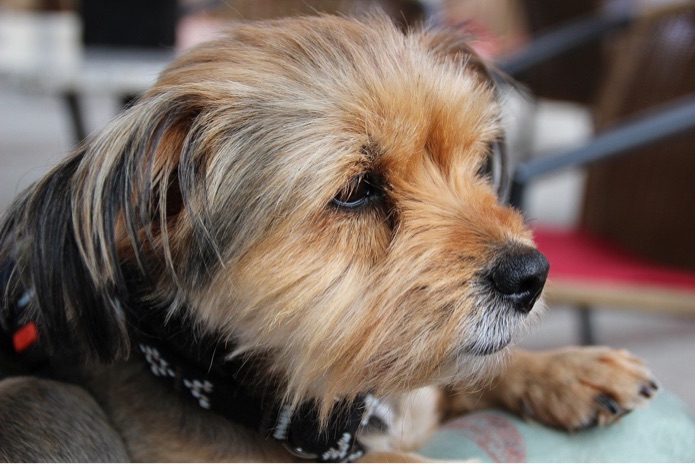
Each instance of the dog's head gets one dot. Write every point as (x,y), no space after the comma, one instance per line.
(314,190)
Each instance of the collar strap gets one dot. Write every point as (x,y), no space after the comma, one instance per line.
(297,430)
(196,365)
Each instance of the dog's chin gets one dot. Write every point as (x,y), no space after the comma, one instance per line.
(480,348)
(497,326)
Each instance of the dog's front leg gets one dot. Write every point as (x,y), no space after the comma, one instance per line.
(571,388)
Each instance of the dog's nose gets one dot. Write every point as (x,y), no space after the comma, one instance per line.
(519,276)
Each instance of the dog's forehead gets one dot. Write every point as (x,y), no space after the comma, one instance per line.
(397,95)
(446,115)
(367,70)
(338,93)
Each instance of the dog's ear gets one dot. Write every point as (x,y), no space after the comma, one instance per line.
(99,221)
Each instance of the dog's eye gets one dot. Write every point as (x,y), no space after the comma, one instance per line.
(494,169)
(360,190)
(487,170)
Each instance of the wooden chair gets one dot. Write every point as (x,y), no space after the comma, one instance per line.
(634,246)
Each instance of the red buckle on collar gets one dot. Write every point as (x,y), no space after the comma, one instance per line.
(25,337)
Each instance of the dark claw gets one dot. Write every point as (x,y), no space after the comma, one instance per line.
(609,403)
(646,392)
(525,409)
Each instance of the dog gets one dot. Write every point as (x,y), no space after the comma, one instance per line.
(290,248)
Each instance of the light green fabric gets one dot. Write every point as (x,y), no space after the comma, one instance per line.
(663,431)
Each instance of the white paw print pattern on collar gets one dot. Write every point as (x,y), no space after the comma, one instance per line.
(160,367)
(200,391)
(341,452)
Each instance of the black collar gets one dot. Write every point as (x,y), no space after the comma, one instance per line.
(202,374)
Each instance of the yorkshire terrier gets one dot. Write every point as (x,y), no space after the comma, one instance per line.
(291,247)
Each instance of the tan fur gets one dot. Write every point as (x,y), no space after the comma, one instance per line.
(560,387)
(226,171)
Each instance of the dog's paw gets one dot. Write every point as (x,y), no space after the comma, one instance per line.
(577,388)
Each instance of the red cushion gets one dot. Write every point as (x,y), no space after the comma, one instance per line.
(577,255)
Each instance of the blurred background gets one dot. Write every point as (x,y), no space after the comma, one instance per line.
(598,111)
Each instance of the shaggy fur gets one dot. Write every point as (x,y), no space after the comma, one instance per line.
(214,197)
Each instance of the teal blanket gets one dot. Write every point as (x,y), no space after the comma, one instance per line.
(664,431)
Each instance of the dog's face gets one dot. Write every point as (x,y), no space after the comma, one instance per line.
(315,191)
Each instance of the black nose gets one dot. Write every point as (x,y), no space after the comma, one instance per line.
(519,276)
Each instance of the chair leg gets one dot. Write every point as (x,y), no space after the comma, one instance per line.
(127,100)
(587,335)
(72,103)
